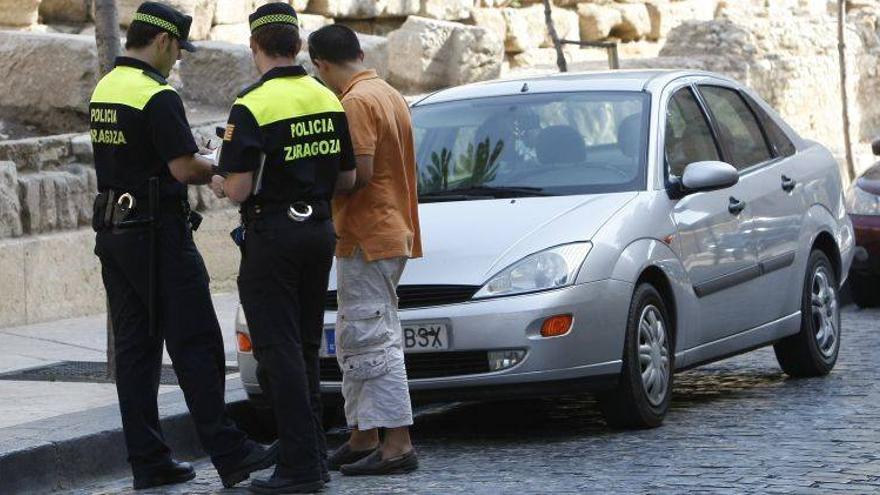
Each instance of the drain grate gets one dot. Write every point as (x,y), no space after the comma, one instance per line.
(82,371)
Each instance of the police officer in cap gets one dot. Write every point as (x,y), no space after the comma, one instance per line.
(286,150)
(155,278)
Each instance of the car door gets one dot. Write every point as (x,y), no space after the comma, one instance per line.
(766,175)
(715,242)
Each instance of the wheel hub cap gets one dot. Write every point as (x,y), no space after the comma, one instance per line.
(825,312)
(653,355)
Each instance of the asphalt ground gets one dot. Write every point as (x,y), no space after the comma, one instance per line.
(737,426)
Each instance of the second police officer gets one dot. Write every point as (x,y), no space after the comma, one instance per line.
(286,149)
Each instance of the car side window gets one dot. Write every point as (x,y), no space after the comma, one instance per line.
(778,138)
(688,136)
(737,127)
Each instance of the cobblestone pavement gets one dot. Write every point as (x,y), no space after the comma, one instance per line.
(739,426)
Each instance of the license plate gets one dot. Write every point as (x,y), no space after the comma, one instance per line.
(417,337)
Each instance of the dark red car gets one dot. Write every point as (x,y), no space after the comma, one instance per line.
(863,206)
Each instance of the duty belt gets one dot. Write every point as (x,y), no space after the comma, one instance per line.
(120,211)
(298,211)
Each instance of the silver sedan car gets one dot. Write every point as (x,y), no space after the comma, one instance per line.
(599,232)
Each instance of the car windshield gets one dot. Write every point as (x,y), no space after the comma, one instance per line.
(532,145)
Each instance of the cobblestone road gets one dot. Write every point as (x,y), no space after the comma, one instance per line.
(739,426)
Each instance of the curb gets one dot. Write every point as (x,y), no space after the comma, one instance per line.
(67,451)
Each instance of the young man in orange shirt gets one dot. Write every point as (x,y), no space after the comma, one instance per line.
(378,231)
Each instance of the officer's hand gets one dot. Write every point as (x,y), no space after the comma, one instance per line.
(217,186)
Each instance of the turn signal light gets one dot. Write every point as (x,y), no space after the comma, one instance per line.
(556,326)
(244,342)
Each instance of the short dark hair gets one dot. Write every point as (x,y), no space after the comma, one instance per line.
(141,34)
(334,43)
(278,40)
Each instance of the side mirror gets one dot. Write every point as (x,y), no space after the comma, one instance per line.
(875,147)
(708,176)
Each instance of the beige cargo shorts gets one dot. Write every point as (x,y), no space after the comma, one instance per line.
(369,343)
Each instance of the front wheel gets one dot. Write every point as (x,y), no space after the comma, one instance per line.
(813,351)
(642,396)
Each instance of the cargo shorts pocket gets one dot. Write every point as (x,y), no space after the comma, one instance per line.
(366,366)
(363,340)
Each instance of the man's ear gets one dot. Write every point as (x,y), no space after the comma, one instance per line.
(361,56)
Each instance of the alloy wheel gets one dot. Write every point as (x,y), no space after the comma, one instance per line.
(653,355)
(825,311)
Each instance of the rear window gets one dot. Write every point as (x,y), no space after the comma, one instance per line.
(560,143)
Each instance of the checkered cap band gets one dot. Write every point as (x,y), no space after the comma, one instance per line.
(158,22)
(274,19)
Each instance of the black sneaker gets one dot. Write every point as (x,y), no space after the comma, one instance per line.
(278,485)
(374,465)
(169,474)
(258,459)
(344,455)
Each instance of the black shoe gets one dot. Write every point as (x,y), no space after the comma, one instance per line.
(277,484)
(373,464)
(258,459)
(169,474)
(344,455)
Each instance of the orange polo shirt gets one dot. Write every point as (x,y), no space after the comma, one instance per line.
(381,218)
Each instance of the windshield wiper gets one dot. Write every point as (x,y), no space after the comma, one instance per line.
(488,191)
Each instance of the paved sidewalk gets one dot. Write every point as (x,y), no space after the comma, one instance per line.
(76,339)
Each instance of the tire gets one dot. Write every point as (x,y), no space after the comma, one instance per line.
(813,351)
(864,288)
(633,404)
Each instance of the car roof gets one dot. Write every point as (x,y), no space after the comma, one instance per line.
(611,80)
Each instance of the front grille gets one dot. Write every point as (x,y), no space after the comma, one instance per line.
(421,296)
(425,365)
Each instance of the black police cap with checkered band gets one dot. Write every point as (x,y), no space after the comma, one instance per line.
(273,13)
(167,19)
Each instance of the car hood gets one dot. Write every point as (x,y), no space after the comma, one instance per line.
(870,179)
(466,242)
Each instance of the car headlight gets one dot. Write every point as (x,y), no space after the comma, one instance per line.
(861,202)
(556,267)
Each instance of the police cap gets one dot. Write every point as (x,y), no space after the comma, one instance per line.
(273,13)
(167,19)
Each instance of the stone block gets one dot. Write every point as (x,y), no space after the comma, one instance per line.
(81,147)
(13,304)
(66,200)
(450,10)
(313,22)
(491,19)
(221,255)
(63,276)
(83,188)
(65,11)
(202,12)
(597,21)
(375,50)
(428,54)
(635,22)
(666,15)
(567,24)
(374,27)
(10,206)
(37,153)
(232,11)
(53,76)
(231,33)
(364,9)
(19,12)
(526,28)
(217,72)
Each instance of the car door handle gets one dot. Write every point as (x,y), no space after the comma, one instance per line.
(736,206)
(788,183)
